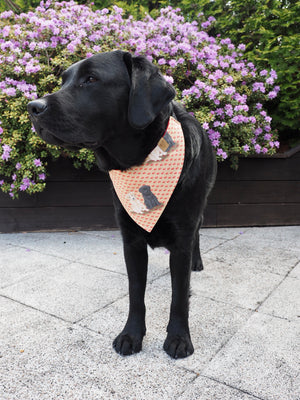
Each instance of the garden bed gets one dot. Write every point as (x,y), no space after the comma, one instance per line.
(263,191)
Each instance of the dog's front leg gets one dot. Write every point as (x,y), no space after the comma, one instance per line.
(178,343)
(130,339)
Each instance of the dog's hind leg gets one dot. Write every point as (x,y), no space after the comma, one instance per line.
(178,343)
(129,341)
(197,264)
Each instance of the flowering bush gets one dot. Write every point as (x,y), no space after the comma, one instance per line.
(271,31)
(211,76)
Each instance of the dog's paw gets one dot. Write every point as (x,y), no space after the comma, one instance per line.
(197,265)
(127,345)
(178,346)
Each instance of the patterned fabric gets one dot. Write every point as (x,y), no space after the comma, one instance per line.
(145,190)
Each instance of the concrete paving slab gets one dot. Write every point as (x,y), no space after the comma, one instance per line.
(105,234)
(70,292)
(4,244)
(208,243)
(223,233)
(235,284)
(100,249)
(158,260)
(261,359)
(70,245)
(211,323)
(255,254)
(284,237)
(108,256)
(45,358)
(19,263)
(64,304)
(284,302)
(22,239)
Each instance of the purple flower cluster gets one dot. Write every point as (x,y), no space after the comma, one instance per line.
(232,95)
(211,76)
(11,86)
(5,152)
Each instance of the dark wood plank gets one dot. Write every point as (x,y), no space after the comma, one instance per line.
(24,200)
(261,169)
(210,216)
(257,214)
(56,218)
(58,194)
(71,194)
(251,192)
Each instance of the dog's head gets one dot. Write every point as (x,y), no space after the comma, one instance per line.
(145,189)
(98,96)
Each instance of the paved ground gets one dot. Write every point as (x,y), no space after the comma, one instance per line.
(63,298)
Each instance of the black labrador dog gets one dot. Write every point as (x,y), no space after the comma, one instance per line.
(119,106)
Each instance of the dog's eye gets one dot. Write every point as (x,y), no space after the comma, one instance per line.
(91,79)
(88,80)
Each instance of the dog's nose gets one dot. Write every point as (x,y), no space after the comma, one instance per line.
(37,107)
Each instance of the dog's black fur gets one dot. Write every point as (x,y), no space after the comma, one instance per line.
(119,106)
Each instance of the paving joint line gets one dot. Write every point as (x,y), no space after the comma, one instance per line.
(220,244)
(233,387)
(99,309)
(188,384)
(274,288)
(36,309)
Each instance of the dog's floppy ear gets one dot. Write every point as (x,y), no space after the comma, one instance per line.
(149,92)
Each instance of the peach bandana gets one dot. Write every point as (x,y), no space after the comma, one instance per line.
(145,190)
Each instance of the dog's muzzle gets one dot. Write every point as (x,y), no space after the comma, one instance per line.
(37,110)
(37,107)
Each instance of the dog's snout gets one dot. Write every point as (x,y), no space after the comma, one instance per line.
(37,107)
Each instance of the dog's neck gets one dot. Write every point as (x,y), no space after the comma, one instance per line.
(136,145)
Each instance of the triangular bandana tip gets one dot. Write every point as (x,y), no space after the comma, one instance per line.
(145,190)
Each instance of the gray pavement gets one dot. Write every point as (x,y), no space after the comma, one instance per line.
(63,299)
